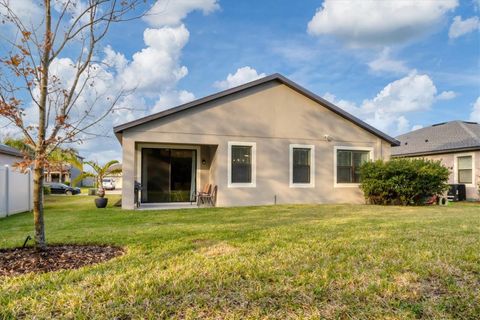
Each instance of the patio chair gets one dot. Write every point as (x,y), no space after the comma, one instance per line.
(210,198)
(207,188)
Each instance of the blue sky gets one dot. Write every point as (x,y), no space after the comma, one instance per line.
(398,65)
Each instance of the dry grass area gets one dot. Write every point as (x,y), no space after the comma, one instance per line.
(277,262)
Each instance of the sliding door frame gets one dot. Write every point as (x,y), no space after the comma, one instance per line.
(139,160)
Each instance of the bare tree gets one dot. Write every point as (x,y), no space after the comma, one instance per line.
(27,82)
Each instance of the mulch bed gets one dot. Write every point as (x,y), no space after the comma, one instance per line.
(57,257)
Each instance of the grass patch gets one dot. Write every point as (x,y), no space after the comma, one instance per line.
(302,261)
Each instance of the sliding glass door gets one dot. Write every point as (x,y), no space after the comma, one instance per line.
(168,175)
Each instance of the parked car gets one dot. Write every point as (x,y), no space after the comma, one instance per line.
(108,184)
(60,188)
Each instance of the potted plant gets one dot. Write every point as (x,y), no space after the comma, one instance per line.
(101,201)
(99,172)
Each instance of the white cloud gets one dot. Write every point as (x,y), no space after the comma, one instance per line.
(373,23)
(171,99)
(241,76)
(475,115)
(157,65)
(388,109)
(460,27)
(74,8)
(417,127)
(383,63)
(172,12)
(348,106)
(114,59)
(28,11)
(446,95)
(412,93)
(402,124)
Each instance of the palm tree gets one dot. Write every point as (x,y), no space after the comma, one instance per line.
(99,172)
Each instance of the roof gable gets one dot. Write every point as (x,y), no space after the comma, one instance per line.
(438,138)
(274,77)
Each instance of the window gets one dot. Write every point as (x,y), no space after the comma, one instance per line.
(464,165)
(302,167)
(348,162)
(241,164)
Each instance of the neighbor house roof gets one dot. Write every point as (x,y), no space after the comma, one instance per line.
(4,149)
(274,77)
(446,137)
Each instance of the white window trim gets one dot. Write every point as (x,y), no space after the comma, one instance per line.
(455,168)
(312,166)
(335,148)
(252,184)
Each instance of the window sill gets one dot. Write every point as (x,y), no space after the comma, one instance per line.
(346,185)
(302,185)
(467,185)
(242,185)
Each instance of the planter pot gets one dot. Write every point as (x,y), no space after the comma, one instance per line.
(101,202)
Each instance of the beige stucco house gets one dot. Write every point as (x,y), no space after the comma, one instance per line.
(265,142)
(456,144)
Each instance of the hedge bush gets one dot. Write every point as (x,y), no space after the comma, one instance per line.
(402,181)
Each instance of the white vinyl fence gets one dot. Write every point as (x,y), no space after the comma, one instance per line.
(16,191)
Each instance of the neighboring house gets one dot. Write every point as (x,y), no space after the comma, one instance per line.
(268,141)
(9,156)
(63,172)
(117,178)
(56,172)
(88,182)
(455,143)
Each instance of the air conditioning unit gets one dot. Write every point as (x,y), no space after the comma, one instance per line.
(457,192)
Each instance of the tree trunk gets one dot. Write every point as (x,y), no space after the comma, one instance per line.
(40,151)
(40,243)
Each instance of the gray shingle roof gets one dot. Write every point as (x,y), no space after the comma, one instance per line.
(10,151)
(439,138)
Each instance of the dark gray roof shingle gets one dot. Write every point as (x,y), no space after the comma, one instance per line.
(443,137)
(10,151)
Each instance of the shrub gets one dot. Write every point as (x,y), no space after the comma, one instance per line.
(67,183)
(46,190)
(403,181)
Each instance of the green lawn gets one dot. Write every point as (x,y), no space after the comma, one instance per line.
(325,261)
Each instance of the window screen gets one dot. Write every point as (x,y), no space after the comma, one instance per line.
(349,163)
(301,165)
(465,169)
(241,164)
